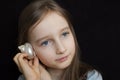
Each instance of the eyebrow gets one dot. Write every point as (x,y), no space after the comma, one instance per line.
(66,28)
(45,37)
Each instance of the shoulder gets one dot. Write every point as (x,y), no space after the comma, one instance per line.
(94,75)
(21,77)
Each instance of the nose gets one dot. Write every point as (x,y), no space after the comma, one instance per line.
(60,49)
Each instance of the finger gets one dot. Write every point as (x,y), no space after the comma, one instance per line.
(16,60)
(17,57)
(22,61)
(41,67)
(36,62)
(22,58)
(30,63)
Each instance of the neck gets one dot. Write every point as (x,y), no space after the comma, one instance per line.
(56,74)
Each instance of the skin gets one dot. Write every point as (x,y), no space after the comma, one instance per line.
(54,45)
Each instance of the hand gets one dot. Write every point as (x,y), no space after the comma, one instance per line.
(31,69)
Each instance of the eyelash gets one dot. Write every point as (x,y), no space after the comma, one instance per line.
(46,42)
(65,33)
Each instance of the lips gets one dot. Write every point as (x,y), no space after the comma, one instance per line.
(62,59)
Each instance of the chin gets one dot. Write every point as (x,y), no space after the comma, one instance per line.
(63,66)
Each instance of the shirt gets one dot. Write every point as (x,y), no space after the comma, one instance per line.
(92,75)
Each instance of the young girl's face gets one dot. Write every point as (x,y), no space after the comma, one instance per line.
(53,41)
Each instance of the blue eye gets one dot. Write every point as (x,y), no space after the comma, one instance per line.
(65,33)
(45,43)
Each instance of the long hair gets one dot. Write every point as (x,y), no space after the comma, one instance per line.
(32,15)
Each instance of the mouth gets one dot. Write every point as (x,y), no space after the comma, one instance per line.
(62,59)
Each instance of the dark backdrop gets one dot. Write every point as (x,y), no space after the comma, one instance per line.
(97,27)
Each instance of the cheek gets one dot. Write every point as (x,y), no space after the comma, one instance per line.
(45,55)
(70,45)
(72,48)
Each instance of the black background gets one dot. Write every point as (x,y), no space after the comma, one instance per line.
(97,27)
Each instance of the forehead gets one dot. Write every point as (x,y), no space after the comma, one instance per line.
(52,22)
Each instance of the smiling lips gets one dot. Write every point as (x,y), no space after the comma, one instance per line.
(62,59)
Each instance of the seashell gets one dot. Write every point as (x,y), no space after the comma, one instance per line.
(27,48)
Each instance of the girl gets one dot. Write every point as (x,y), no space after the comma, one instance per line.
(46,26)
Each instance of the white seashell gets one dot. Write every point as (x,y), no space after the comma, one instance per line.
(27,48)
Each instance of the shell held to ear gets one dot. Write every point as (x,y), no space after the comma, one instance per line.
(27,48)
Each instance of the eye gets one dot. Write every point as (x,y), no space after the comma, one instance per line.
(65,34)
(45,43)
